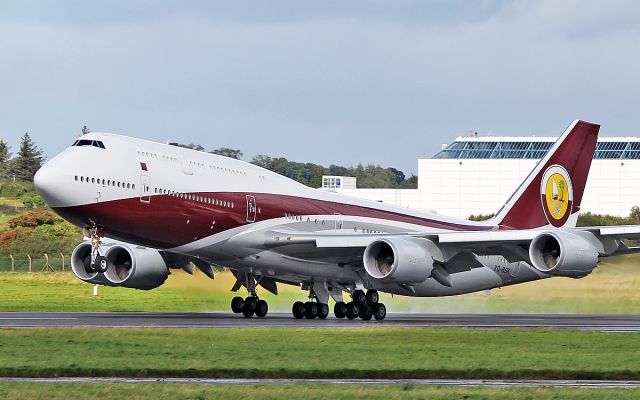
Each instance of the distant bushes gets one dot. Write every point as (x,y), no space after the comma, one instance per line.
(15,190)
(38,232)
(480,217)
(34,219)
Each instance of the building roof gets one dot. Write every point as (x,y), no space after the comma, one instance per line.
(533,147)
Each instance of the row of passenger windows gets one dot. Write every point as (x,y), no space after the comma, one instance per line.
(194,164)
(193,197)
(156,156)
(105,182)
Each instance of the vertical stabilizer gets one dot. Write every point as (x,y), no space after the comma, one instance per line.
(551,194)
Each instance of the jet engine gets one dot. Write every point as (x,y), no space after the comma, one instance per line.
(135,267)
(128,265)
(560,253)
(81,265)
(398,260)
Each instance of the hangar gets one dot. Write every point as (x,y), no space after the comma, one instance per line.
(476,174)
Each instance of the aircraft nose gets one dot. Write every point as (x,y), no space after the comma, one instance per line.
(47,183)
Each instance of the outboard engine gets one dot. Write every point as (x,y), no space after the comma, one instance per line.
(561,253)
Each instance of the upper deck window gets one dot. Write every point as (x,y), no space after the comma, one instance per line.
(94,143)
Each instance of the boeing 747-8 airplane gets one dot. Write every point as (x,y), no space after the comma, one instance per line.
(162,207)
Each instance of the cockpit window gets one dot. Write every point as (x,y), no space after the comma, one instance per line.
(94,143)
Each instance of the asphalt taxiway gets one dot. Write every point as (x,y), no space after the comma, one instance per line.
(600,322)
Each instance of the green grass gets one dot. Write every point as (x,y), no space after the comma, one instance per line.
(21,391)
(379,352)
(614,288)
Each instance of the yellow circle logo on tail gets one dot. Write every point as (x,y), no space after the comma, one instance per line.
(556,193)
(557,196)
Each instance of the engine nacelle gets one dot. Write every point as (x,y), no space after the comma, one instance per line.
(135,267)
(560,253)
(398,260)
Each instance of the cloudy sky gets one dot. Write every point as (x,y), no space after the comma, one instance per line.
(379,81)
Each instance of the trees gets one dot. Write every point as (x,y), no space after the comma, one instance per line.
(28,160)
(5,156)
(84,130)
(227,152)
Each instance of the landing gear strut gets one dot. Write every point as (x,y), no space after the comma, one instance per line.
(98,262)
(252,304)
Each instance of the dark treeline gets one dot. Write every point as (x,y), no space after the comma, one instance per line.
(310,174)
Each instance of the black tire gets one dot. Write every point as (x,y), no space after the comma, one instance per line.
(262,308)
(249,307)
(323,311)
(380,312)
(298,310)
(101,264)
(87,264)
(365,313)
(310,309)
(352,310)
(372,297)
(236,304)
(359,297)
(340,309)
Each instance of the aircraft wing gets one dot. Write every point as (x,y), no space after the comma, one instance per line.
(511,244)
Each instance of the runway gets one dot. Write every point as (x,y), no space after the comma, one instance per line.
(608,323)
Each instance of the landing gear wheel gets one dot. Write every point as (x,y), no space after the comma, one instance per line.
(236,304)
(340,309)
(323,311)
(249,307)
(100,265)
(359,297)
(310,310)
(352,310)
(372,297)
(298,310)
(380,312)
(261,308)
(365,313)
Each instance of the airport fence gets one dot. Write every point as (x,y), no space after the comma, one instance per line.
(59,262)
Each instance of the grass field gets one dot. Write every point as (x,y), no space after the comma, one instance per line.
(320,353)
(21,391)
(613,288)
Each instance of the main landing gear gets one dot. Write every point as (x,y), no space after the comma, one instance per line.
(252,304)
(311,309)
(364,306)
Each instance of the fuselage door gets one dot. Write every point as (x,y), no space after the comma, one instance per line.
(145,189)
(252,209)
(187,167)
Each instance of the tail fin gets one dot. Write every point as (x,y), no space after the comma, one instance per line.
(551,194)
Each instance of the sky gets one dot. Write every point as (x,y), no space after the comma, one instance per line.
(332,82)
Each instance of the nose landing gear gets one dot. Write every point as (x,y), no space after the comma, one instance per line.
(98,261)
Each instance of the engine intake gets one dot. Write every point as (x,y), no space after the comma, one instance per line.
(561,253)
(81,264)
(398,260)
(135,267)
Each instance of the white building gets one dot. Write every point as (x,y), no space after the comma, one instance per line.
(476,175)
